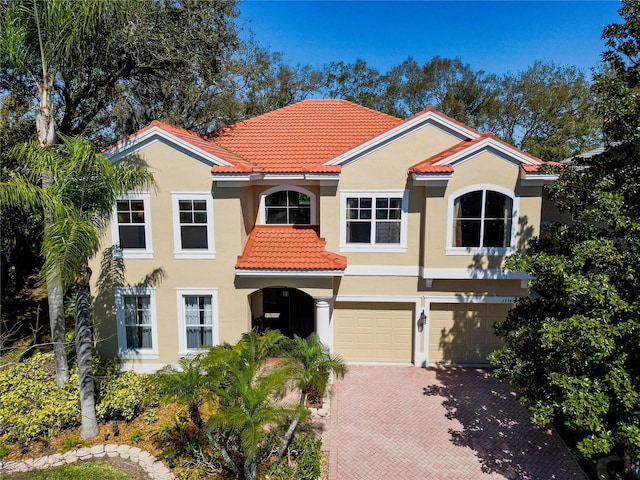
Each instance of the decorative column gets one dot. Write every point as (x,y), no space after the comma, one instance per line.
(323,322)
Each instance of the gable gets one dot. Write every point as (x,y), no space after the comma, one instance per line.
(387,165)
(429,118)
(184,141)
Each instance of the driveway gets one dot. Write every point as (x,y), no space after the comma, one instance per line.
(400,422)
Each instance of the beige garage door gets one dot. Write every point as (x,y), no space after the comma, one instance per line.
(373,332)
(463,333)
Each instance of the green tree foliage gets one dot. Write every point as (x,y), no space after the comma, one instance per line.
(449,85)
(251,422)
(572,347)
(546,110)
(140,60)
(619,85)
(83,190)
(355,82)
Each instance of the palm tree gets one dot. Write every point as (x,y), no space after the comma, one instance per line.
(190,385)
(314,366)
(39,37)
(84,189)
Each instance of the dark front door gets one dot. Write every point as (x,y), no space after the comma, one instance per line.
(289,310)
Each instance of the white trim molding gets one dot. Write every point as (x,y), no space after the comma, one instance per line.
(262,215)
(537,179)
(491,144)
(488,251)
(246,272)
(428,117)
(182,338)
(155,134)
(142,353)
(197,253)
(400,247)
(139,253)
(383,270)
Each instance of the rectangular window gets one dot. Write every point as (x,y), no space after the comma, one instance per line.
(131,226)
(364,227)
(137,319)
(374,221)
(131,223)
(137,322)
(198,319)
(193,225)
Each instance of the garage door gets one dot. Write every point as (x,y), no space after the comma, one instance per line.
(373,332)
(463,333)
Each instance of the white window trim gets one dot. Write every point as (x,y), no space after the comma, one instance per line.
(178,251)
(262,215)
(372,247)
(488,251)
(144,253)
(142,353)
(182,337)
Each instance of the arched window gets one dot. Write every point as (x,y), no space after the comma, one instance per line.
(287,207)
(482,218)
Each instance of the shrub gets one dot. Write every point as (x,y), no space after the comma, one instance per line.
(303,461)
(73,442)
(120,396)
(4,450)
(150,417)
(136,435)
(31,404)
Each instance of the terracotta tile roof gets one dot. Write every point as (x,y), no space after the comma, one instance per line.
(302,136)
(193,138)
(427,166)
(288,247)
(431,108)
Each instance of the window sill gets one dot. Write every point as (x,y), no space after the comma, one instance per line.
(139,354)
(367,248)
(193,352)
(489,252)
(141,254)
(202,255)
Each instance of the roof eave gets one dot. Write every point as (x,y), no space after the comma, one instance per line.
(401,130)
(147,137)
(432,179)
(536,179)
(484,144)
(260,272)
(256,176)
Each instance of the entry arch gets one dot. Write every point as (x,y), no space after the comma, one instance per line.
(287,309)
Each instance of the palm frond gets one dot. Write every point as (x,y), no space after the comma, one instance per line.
(68,244)
(19,191)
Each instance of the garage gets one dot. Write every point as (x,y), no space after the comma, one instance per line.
(373,332)
(463,333)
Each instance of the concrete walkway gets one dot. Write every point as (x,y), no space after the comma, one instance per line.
(396,422)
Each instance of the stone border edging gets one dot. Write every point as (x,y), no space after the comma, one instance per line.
(153,467)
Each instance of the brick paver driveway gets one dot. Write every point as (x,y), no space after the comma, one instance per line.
(411,423)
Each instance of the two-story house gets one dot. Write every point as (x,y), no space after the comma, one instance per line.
(385,236)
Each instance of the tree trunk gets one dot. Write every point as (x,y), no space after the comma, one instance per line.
(55,300)
(84,344)
(287,438)
(225,455)
(46,128)
(250,467)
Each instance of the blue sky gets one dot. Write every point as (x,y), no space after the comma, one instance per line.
(494,36)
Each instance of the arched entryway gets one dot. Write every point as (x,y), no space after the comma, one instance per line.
(289,310)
